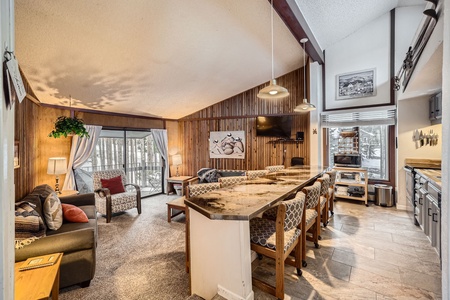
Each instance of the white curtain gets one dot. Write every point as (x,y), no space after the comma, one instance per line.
(161,141)
(80,152)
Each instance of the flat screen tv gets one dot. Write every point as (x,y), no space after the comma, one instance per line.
(274,126)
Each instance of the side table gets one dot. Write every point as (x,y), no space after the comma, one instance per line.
(183,180)
(37,283)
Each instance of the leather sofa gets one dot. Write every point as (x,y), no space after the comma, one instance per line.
(78,241)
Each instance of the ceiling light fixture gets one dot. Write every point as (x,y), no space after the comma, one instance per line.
(304,106)
(272,91)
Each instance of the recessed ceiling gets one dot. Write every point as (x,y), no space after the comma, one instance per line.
(161,58)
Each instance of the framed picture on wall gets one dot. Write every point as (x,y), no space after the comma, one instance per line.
(356,85)
(227,144)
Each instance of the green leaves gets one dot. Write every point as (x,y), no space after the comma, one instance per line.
(65,126)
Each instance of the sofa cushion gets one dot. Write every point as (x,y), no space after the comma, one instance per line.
(74,214)
(115,185)
(42,191)
(29,225)
(53,212)
(230,173)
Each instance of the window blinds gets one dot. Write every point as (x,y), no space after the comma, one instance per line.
(385,115)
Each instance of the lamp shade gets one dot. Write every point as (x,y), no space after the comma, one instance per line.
(57,165)
(176,160)
(273,91)
(304,107)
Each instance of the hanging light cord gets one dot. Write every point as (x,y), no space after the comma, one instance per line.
(304,73)
(271,24)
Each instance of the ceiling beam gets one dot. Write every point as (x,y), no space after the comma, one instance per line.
(290,13)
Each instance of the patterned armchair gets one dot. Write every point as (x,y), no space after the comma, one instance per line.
(109,204)
(277,239)
(257,173)
(274,168)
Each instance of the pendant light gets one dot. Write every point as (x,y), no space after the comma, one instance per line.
(304,106)
(273,91)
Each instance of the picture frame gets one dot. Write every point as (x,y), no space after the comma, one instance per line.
(357,84)
(16,155)
(227,144)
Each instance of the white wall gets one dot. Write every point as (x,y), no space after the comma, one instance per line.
(445,212)
(6,165)
(315,97)
(365,49)
(412,114)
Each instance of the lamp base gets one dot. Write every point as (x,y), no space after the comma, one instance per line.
(177,174)
(57,185)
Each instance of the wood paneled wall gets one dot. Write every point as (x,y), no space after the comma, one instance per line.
(239,113)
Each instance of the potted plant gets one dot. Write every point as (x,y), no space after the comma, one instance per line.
(66,126)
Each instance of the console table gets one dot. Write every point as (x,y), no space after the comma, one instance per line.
(219,231)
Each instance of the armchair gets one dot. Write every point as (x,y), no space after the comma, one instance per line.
(107,203)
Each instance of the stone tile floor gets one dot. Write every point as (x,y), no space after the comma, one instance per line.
(366,253)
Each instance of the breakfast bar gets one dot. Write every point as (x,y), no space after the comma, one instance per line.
(220,256)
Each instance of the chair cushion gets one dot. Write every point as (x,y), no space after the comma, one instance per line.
(74,214)
(263,232)
(115,185)
(53,212)
(311,215)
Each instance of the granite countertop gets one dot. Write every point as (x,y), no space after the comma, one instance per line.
(432,175)
(251,197)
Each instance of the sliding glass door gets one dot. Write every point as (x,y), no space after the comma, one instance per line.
(133,151)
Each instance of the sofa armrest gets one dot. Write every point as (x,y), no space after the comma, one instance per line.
(66,242)
(79,200)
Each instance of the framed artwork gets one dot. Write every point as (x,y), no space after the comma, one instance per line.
(16,155)
(227,144)
(356,85)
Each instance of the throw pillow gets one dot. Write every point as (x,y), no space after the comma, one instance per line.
(29,226)
(74,214)
(53,212)
(115,185)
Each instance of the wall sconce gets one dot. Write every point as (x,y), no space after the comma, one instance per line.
(57,166)
(176,161)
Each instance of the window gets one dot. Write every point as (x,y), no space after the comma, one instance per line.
(134,151)
(373,147)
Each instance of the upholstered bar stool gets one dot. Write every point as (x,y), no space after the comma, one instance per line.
(277,239)
(198,189)
(231,180)
(332,175)
(324,199)
(311,217)
(256,173)
(274,168)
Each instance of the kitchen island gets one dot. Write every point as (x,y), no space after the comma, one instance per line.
(219,233)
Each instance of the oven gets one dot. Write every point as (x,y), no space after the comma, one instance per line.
(411,199)
(347,160)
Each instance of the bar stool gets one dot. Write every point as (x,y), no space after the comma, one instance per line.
(311,218)
(277,239)
(272,169)
(231,180)
(202,188)
(324,199)
(332,175)
(256,173)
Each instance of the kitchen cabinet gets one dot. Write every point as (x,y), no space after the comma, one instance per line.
(351,179)
(435,109)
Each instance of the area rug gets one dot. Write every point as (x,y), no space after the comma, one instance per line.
(139,256)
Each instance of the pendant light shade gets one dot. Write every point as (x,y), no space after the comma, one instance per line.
(272,91)
(304,106)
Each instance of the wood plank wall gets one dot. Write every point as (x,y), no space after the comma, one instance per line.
(239,113)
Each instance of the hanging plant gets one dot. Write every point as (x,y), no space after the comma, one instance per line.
(65,126)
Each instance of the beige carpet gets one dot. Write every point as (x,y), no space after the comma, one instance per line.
(139,256)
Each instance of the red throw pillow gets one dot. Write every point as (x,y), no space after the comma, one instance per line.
(74,214)
(114,185)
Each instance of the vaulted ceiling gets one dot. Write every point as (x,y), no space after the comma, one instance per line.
(167,58)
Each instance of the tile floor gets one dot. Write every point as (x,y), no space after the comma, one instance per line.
(366,253)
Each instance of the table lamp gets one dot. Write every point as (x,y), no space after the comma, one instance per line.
(57,166)
(176,161)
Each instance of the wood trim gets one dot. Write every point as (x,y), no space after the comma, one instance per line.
(290,13)
(392,57)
